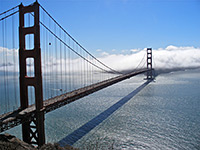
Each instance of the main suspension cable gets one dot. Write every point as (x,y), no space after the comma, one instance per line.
(9,10)
(9,15)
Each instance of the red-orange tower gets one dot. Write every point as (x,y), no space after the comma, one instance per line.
(149,64)
(32,130)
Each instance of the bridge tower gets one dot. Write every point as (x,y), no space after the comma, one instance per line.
(149,64)
(32,130)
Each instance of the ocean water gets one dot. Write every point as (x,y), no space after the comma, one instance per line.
(165,114)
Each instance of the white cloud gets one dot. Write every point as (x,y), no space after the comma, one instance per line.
(104,54)
(163,58)
(8,59)
(98,50)
(171,47)
(113,50)
(124,50)
(122,61)
(134,50)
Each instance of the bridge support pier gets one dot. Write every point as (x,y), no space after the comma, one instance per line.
(149,64)
(32,130)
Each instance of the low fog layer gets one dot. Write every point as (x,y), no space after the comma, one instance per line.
(169,58)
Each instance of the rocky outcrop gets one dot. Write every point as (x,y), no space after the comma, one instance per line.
(10,142)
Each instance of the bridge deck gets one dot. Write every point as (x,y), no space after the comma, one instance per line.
(17,117)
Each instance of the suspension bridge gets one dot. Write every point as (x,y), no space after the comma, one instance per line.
(42,68)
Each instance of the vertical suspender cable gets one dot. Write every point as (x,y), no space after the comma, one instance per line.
(43,52)
(70,84)
(56,69)
(51,62)
(6,66)
(65,54)
(84,72)
(89,71)
(47,61)
(14,63)
(4,73)
(79,68)
(73,64)
(82,75)
(82,85)
(92,70)
(61,64)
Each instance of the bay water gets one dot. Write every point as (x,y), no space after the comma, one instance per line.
(165,114)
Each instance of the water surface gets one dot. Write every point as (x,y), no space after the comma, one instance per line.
(163,115)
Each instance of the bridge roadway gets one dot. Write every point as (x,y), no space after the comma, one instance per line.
(12,119)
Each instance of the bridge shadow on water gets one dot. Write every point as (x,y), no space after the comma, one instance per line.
(83,130)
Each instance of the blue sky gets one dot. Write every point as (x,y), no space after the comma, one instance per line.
(125,24)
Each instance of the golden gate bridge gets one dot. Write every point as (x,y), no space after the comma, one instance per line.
(44,67)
